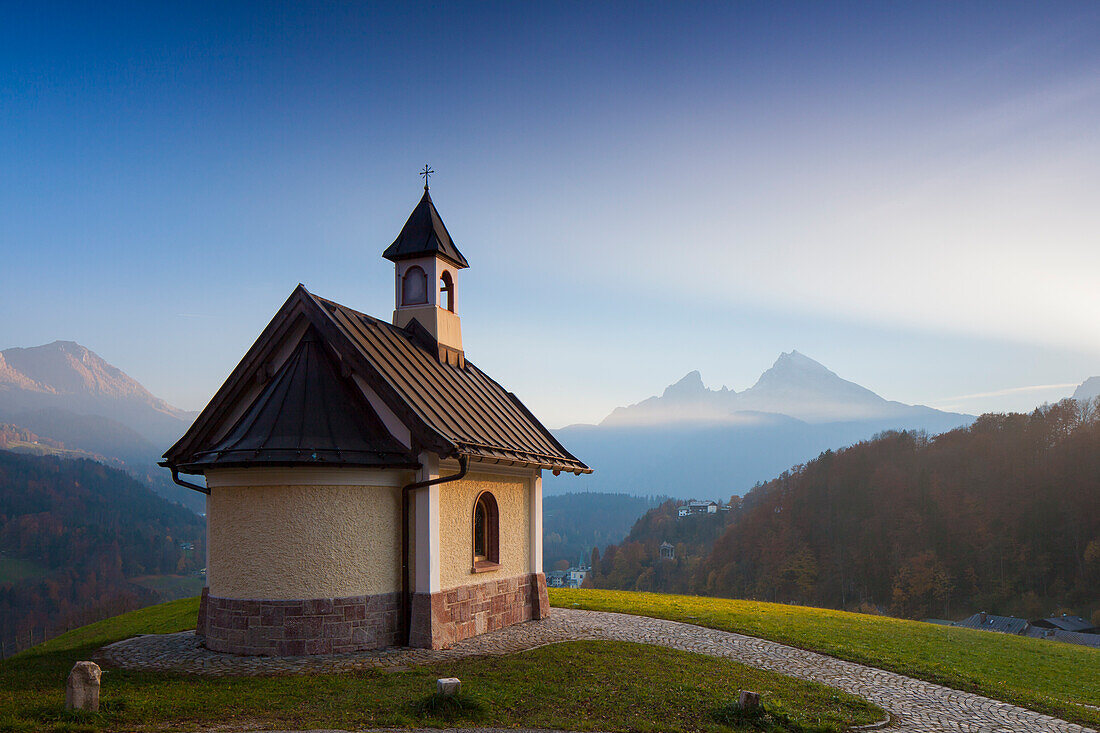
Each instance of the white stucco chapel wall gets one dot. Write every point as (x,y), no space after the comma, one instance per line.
(301,533)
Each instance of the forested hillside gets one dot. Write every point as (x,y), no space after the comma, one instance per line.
(573,524)
(72,532)
(1002,516)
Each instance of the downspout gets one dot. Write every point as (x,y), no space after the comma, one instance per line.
(406,581)
(185,484)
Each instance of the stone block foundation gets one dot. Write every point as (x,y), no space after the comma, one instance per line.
(441,619)
(292,628)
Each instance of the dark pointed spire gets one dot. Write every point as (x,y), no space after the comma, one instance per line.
(424,235)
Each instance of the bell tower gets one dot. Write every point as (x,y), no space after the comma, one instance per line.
(426,265)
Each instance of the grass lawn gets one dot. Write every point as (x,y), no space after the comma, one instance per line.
(1051,677)
(611,686)
(13,570)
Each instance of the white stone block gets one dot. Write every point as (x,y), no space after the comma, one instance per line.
(448,686)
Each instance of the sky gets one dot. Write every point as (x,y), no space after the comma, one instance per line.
(906,192)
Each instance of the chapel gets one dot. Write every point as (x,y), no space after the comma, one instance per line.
(366,484)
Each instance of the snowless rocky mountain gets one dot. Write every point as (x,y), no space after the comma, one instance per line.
(68,393)
(692,441)
(795,386)
(65,375)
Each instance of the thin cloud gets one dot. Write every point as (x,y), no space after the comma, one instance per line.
(1009,391)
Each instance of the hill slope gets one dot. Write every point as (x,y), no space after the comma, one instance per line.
(1059,679)
(89,528)
(573,524)
(1002,516)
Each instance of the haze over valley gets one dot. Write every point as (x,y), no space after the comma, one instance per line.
(696,442)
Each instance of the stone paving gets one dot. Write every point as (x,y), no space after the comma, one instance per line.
(914,705)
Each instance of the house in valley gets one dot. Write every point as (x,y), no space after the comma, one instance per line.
(556,578)
(367,485)
(575,576)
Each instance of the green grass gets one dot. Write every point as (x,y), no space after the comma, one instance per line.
(13,570)
(171,587)
(612,686)
(1051,677)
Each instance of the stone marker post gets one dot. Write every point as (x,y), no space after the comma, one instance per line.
(748,700)
(82,689)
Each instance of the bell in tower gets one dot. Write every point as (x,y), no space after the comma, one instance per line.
(426,265)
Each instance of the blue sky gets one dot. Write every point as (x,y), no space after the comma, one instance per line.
(905,192)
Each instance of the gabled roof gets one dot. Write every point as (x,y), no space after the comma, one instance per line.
(450,410)
(989,622)
(1069,637)
(307,413)
(424,234)
(1065,623)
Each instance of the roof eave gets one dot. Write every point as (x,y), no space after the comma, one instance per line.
(459,262)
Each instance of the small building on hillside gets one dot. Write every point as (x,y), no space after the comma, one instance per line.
(697,507)
(1067,629)
(1066,637)
(668,552)
(1065,622)
(366,484)
(988,622)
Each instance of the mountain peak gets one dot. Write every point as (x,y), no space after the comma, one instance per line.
(797,361)
(71,372)
(690,385)
(1089,389)
(66,367)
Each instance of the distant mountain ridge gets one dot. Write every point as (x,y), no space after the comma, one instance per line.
(795,386)
(69,376)
(66,392)
(695,442)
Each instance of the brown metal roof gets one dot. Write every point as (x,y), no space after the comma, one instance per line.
(461,404)
(451,410)
(307,414)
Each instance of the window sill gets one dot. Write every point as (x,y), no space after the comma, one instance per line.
(484,566)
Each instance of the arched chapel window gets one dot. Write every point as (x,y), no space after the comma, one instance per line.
(447,287)
(486,532)
(414,286)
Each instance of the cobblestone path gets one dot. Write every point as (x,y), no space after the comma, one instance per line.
(914,705)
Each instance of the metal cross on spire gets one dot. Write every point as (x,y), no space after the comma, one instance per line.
(426,173)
